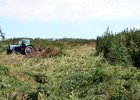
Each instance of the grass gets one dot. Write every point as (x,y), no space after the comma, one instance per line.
(78,74)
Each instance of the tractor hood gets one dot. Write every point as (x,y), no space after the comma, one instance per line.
(11,47)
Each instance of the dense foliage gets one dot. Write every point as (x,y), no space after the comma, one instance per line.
(77,74)
(121,48)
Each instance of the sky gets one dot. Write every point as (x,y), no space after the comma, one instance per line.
(67,18)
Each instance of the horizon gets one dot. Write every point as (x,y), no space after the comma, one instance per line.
(67,18)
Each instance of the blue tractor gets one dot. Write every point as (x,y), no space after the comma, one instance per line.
(24,47)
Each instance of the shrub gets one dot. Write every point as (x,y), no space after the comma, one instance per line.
(77,83)
(121,47)
(119,55)
(99,77)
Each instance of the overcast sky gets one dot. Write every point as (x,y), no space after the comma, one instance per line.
(67,18)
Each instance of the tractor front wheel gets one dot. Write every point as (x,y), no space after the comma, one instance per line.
(11,51)
(28,50)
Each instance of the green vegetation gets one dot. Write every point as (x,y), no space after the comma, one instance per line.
(77,74)
(122,48)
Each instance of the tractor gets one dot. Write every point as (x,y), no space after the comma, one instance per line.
(24,47)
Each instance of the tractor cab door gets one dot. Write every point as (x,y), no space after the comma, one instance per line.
(23,44)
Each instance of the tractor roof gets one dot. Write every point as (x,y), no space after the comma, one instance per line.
(24,40)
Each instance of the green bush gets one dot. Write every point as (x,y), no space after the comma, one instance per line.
(99,77)
(123,47)
(78,84)
(119,55)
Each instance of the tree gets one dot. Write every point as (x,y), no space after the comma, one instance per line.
(2,34)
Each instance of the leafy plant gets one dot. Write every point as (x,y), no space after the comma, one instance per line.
(123,47)
(119,55)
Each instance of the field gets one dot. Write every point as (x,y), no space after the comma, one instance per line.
(78,73)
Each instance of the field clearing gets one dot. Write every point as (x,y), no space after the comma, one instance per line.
(77,74)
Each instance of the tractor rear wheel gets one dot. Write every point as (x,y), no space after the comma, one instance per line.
(28,50)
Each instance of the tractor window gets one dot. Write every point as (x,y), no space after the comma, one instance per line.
(20,42)
(25,42)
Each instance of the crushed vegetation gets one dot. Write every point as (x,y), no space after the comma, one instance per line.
(49,52)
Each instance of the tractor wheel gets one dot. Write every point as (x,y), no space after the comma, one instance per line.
(11,51)
(28,50)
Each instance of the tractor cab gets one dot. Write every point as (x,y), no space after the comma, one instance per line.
(24,42)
